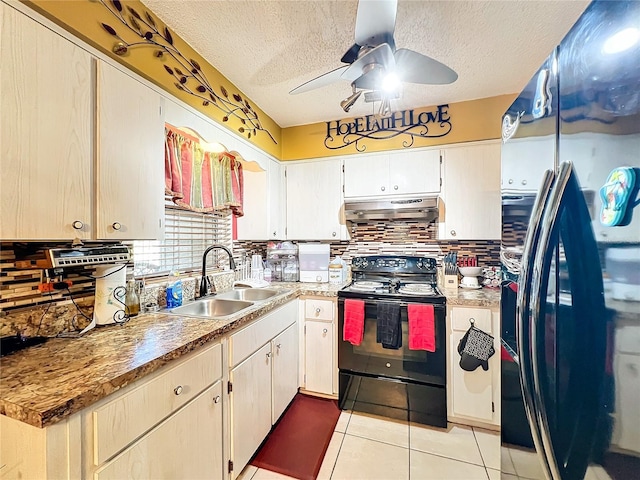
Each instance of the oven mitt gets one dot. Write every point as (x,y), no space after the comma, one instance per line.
(616,195)
(475,349)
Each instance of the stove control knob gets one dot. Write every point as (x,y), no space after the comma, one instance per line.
(420,263)
(380,262)
(388,365)
(364,263)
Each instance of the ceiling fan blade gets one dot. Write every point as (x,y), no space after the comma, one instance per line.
(321,81)
(381,55)
(414,67)
(375,22)
(352,54)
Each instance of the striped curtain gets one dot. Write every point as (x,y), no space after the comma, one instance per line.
(200,180)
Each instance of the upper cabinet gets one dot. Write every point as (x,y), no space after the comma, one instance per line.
(471,207)
(130,163)
(56,115)
(314,200)
(46,85)
(277,201)
(397,173)
(264,204)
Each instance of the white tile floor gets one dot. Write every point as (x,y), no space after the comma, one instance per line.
(368,447)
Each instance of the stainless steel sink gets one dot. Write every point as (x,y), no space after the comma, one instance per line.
(213,307)
(249,294)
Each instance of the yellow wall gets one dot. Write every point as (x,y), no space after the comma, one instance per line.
(471,121)
(83,18)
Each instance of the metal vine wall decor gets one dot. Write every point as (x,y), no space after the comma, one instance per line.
(186,72)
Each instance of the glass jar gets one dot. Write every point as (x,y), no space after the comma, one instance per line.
(131,299)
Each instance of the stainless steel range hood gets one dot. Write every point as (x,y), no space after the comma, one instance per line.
(422,209)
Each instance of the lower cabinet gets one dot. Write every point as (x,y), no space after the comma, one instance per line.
(250,406)
(284,353)
(187,445)
(474,397)
(166,425)
(318,345)
(320,348)
(262,385)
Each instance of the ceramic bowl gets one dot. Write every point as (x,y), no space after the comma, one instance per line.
(470,271)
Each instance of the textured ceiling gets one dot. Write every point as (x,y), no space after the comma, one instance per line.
(266,48)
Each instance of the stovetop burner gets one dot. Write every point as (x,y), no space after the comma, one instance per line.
(393,277)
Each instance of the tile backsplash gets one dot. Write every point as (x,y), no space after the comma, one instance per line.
(25,310)
(399,238)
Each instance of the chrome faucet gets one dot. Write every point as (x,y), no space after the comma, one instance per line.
(204,281)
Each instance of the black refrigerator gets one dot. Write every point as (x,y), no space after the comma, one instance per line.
(570,254)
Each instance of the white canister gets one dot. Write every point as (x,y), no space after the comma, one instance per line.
(107,306)
(335,273)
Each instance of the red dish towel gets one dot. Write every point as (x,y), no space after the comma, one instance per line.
(353,331)
(422,331)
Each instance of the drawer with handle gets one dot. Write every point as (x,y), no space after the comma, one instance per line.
(316,309)
(119,422)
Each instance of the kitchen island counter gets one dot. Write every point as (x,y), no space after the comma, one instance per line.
(44,384)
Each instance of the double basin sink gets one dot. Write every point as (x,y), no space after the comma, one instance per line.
(226,303)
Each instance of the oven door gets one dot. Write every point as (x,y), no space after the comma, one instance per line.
(369,358)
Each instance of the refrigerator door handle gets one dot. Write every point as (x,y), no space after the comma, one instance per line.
(523,316)
(583,265)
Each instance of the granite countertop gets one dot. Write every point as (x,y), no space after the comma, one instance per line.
(482,297)
(44,384)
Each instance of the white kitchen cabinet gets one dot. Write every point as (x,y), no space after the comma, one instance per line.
(168,424)
(264,204)
(263,358)
(254,224)
(187,445)
(473,396)
(314,201)
(285,353)
(471,207)
(277,201)
(320,348)
(130,169)
(395,173)
(250,406)
(626,361)
(46,86)
(319,357)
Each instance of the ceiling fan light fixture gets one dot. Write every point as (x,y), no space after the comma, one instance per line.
(348,102)
(390,82)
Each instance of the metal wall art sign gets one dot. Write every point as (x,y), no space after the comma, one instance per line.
(409,123)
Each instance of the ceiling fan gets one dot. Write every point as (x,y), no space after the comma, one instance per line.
(374,63)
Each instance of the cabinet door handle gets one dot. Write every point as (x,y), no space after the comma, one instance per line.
(524,182)
(178,390)
(274,234)
(278,346)
(395,187)
(78,225)
(216,399)
(116,225)
(453,233)
(510,181)
(324,331)
(382,189)
(269,355)
(333,234)
(318,311)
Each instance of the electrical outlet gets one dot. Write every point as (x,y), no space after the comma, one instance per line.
(63,285)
